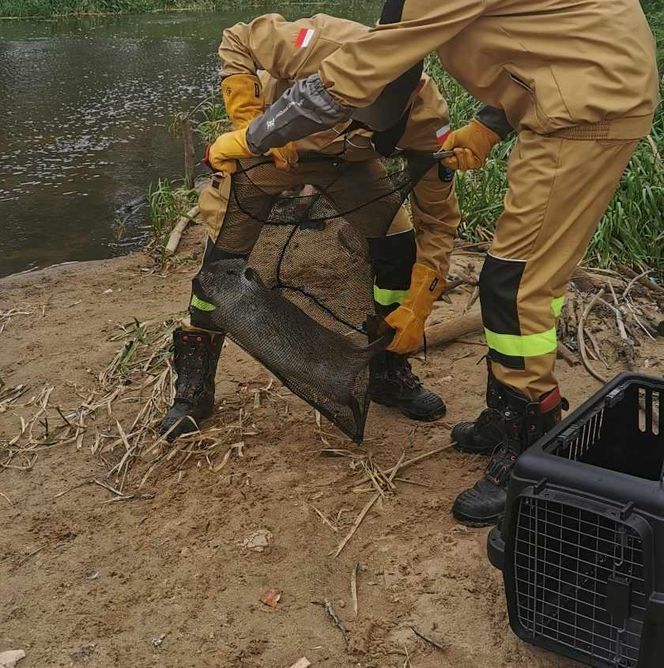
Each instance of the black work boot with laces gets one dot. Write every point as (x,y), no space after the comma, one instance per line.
(195,358)
(393,383)
(484,435)
(522,423)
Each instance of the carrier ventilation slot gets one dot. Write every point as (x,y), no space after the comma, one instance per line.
(651,409)
(585,437)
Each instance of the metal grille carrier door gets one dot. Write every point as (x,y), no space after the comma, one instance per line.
(581,545)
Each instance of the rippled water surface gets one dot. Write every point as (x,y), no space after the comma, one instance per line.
(85,107)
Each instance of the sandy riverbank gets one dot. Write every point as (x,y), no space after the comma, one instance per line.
(164,578)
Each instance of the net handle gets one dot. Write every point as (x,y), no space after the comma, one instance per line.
(434,157)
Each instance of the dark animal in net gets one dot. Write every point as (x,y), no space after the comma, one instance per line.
(300,304)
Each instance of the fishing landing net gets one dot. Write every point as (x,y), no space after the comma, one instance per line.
(301,303)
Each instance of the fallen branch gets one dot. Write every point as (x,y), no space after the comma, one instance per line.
(643,280)
(406,464)
(582,340)
(445,332)
(597,353)
(427,639)
(356,524)
(474,246)
(586,282)
(474,296)
(565,353)
(322,516)
(109,488)
(634,281)
(367,508)
(353,587)
(32,554)
(178,230)
(329,610)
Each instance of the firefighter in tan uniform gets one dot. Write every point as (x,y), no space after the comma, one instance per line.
(259,61)
(577,81)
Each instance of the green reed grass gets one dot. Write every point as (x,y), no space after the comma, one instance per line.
(167,201)
(22,8)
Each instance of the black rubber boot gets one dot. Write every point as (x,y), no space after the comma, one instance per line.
(394,384)
(195,358)
(484,435)
(522,423)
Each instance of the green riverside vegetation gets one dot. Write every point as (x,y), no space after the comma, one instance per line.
(50,8)
(23,8)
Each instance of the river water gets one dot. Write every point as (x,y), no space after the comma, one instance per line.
(85,107)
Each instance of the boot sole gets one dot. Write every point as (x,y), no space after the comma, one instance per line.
(423,418)
(183,426)
(477,523)
(472,451)
(430,417)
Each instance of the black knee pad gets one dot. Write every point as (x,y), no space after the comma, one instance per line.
(392,259)
(499,286)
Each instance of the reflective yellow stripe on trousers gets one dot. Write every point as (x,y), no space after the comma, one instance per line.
(386,297)
(529,345)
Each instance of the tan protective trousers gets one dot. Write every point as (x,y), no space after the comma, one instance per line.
(239,236)
(559,189)
(237,233)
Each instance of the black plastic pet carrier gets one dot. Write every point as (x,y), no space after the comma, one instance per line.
(581,545)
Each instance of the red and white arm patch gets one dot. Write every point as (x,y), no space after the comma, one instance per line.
(443,133)
(304,38)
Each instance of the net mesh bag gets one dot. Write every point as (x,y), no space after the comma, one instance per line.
(300,304)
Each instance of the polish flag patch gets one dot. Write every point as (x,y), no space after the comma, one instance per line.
(443,133)
(304,38)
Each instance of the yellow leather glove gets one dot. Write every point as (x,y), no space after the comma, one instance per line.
(285,157)
(223,154)
(226,150)
(243,99)
(408,320)
(471,145)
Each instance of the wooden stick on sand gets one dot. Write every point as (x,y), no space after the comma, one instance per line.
(179,228)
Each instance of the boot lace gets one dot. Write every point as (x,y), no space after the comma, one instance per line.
(501,465)
(404,373)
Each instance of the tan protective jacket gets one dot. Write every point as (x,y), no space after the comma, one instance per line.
(280,52)
(551,65)
(287,51)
